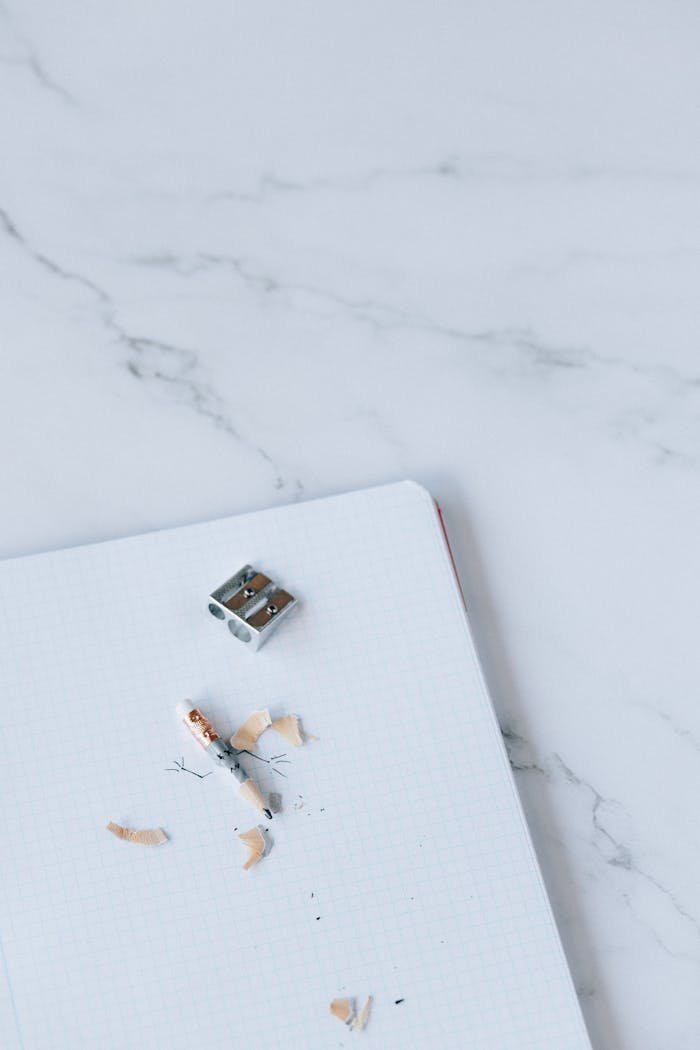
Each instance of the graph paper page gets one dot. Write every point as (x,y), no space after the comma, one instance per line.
(400,864)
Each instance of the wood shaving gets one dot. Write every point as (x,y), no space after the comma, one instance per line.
(363,1017)
(245,737)
(147,837)
(288,727)
(255,841)
(343,1009)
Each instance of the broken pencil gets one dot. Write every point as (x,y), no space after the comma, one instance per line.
(221,754)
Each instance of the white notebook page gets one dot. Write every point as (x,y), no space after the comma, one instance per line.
(401,865)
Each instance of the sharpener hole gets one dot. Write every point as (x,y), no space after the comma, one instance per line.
(238,631)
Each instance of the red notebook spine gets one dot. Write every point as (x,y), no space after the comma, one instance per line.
(449,550)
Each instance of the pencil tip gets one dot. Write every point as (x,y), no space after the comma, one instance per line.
(268,814)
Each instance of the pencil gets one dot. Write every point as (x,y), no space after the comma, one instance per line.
(222,754)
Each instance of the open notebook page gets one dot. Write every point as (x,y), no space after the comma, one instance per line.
(401,864)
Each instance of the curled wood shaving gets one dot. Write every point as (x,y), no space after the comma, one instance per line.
(255,841)
(363,1017)
(148,837)
(343,1009)
(245,737)
(288,727)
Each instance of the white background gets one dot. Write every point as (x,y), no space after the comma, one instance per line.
(254,253)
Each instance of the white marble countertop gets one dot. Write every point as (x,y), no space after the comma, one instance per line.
(257,253)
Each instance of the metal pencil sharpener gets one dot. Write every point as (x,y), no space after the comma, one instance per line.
(251,605)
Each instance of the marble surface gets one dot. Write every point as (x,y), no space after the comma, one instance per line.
(254,253)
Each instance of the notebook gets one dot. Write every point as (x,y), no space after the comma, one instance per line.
(400,867)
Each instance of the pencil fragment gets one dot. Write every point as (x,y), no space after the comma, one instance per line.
(257,847)
(363,1017)
(246,736)
(252,794)
(343,1009)
(288,727)
(147,837)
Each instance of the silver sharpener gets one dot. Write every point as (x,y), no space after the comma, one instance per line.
(251,605)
